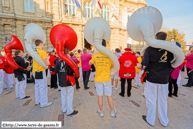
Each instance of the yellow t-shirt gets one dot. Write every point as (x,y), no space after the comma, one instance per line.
(79,55)
(43,56)
(139,61)
(103,65)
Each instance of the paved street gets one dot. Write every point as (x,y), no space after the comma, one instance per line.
(130,110)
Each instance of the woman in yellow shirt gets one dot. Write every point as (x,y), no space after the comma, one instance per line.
(137,76)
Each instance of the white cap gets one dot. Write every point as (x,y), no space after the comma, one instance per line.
(51,49)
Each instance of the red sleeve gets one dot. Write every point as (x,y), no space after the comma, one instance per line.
(136,61)
(120,59)
(5,61)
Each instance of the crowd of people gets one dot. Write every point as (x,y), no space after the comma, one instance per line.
(154,69)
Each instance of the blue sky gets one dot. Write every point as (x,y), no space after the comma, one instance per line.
(176,14)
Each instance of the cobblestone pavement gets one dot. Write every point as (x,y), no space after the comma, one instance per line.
(129,116)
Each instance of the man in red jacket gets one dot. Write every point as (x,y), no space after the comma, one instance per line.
(52,69)
(8,76)
(127,61)
(2,64)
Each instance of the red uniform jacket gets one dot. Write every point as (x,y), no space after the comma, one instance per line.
(127,65)
(7,68)
(2,62)
(52,65)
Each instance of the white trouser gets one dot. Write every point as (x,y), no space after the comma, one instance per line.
(20,88)
(49,75)
(141,72)
(92,76)
(8,80)
(1,80)
(137,79)
(80,69)
(144,89)
(59,87)
(179,80)
(67,94)
(41,90)
(154,91)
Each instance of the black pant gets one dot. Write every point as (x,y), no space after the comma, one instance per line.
(173,82)
(183,69)
(128,87)
(46,72)
(77,83)
(86,75)
(190,77)
(54,81)
(28,74)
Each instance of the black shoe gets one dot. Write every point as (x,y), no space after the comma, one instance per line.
(186,85)
(55,87)
(121,95)
(144,118)
(59,90)
(186,78)
(26,97)
(86,88)
(129,95)
(169,95)
(78,88)
(74,113)
(175,95)
(49,85)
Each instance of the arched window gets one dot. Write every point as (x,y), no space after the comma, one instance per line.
(88,10)
(70,8)
(105,12)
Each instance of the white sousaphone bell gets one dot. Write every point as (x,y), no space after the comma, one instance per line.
(95,30)
(144,24)
(34,32)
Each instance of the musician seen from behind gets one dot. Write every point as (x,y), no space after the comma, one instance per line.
(66,82)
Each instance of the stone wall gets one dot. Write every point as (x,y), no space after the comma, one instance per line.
(47,13)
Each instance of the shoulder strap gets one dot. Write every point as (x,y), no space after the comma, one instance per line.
(147,70)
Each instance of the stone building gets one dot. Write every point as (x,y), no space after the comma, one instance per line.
(16,14)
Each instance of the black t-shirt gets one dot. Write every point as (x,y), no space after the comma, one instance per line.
(63,69)
(93,68)
(20,61)
(158,72)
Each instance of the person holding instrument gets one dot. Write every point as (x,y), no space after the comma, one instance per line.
(52,68)
(20,75)
(41,89)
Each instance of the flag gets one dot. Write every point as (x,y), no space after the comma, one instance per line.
(94,3)
(77,3)
(99,5)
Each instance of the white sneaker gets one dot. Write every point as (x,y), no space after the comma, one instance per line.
(112,86)
(48,104)
(101,113)
(126,85)
(116,88)
(37,103)
(113,113)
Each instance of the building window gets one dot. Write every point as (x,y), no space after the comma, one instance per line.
(105,12)
(29,5)
(70,8)
(88,10)
(48,6)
